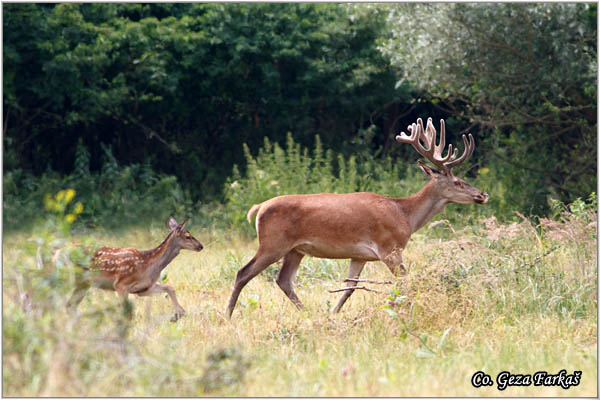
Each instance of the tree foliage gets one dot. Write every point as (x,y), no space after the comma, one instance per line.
(184,85)
(179,87)
(523,74)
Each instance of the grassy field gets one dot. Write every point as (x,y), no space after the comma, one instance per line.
(516,297)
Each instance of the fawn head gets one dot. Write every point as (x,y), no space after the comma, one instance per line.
(447,185)
(183,239)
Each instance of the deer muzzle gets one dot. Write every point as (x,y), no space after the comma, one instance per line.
(482,198)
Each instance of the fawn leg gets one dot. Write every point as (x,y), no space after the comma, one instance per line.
(158,288)
(78,295)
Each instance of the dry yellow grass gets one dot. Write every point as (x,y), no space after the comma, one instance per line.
(508,297)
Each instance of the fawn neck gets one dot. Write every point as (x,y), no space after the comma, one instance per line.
(421,207)
(163,254)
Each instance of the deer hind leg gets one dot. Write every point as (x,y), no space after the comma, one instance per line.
(78,295)
(356,267)
(291,262)
(123,290)
(259,262)
(158,288)
(148,311)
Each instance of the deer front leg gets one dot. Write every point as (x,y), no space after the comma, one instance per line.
(158,288)
(356,267)
(394,262)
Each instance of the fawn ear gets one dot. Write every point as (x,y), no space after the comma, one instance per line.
(172,223)
(182,224)
(431,172)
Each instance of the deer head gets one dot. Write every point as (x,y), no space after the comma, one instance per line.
(182,238)
(448,186)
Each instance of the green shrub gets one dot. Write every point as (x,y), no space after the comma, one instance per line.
(115,196)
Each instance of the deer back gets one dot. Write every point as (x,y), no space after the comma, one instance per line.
(117,260)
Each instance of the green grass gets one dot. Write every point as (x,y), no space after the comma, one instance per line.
(519,297)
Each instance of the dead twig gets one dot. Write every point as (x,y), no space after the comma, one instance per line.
(353,288)
(368,281)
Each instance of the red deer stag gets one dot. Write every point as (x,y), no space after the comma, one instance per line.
(359,226)
(128,270)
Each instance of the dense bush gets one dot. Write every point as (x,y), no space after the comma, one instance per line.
(114,196)
(121,195)
(143,108)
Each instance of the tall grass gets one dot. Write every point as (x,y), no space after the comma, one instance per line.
(492,296)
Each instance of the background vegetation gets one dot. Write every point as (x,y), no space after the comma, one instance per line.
(177,89)
(116,116)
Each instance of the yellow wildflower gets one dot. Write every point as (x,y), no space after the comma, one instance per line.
(78,209)
(69,194)
(70,218)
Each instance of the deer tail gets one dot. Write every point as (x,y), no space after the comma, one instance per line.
(253,211)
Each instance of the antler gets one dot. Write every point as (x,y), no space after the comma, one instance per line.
(431,150)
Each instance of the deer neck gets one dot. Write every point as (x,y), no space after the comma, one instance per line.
(421,207)
(162,255)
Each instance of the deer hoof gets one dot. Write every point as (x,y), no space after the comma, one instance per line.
(402,270)
(178,314)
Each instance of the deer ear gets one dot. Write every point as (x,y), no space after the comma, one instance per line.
(172,224)
(431,172)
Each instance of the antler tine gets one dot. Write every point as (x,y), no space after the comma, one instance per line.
(469,147)
(434,151)
(439,148)
(418,134)
(450,155)
(424,141)
(430,134)
(404,138)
